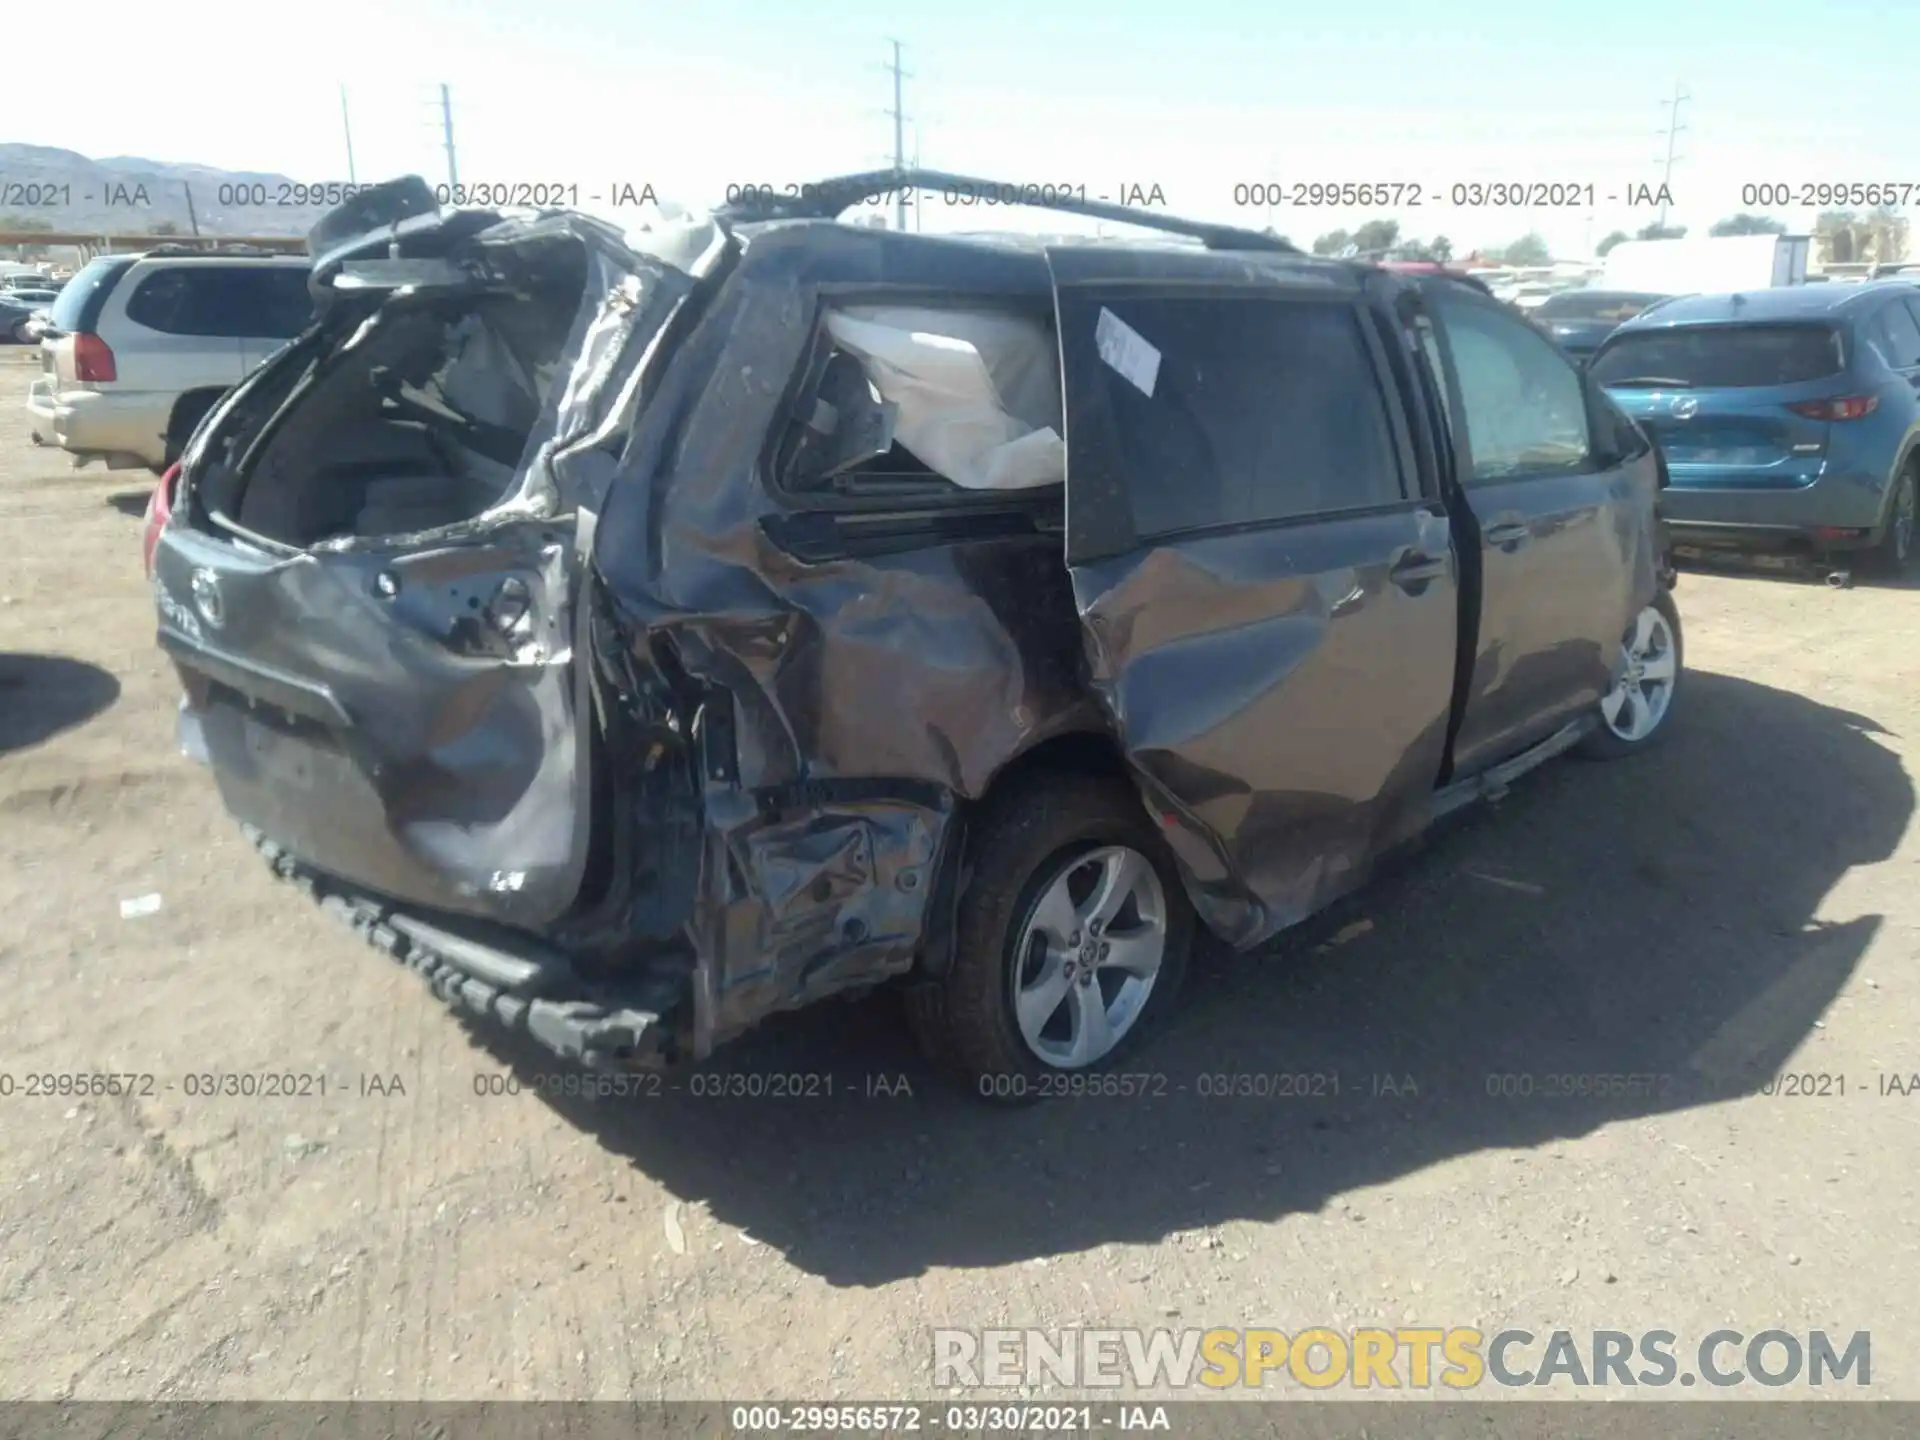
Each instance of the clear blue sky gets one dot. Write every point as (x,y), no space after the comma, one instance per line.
(1194,97)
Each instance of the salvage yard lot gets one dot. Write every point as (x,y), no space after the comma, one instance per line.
(1741,902)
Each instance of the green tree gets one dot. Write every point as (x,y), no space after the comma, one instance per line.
(1441,248)
(1745,224)
(1612,240)
(1332,243)
(1377,235)
(1657,231)
(1529,249)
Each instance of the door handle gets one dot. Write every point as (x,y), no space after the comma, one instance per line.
(1416,570)
(1508,536)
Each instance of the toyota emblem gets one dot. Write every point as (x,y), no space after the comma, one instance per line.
(206,597)
(1686,407)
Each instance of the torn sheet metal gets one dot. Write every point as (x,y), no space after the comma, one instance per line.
(402,709)
(866,689)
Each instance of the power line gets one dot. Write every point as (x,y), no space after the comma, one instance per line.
(346,125)
(1672,132)
(899,134)
(446,122)
(918,209)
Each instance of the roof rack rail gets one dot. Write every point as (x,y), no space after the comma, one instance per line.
(828,199)
(176,247)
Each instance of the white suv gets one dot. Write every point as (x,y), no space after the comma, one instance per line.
(138,347)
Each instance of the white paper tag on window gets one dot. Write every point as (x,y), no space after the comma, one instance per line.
(1127,351)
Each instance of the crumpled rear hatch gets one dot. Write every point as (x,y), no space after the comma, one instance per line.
(370,586)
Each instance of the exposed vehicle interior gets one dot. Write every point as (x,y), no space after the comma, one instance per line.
(926,401)
(424,417)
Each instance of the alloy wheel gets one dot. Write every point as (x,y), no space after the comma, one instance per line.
(1638,702)
(1088,954)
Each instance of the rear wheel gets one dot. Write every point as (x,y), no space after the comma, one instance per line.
(188,411)
(1637,711)
(1894,554)
(1071,944)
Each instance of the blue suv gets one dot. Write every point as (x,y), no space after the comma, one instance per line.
(1789,418)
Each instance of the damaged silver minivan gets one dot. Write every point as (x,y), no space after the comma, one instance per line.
(642,634)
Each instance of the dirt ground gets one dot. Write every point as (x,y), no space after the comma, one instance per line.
(1741,902)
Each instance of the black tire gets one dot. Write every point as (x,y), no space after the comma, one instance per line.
(1602,743)
(188,411)
(1892,556)
(19,334)
(964,1020)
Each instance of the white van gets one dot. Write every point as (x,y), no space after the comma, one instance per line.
(1712,265)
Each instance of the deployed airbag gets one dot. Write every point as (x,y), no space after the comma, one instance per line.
(978,393)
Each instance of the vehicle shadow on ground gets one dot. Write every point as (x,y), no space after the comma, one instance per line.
(131,502)
(41,695)
(1649,918)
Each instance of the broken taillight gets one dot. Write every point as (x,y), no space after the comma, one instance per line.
(159,508)
(92,359)
(1846,407)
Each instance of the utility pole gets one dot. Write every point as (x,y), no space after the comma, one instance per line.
(918,208)
(347,126)
(1674,127)
(446,125)
(899,136)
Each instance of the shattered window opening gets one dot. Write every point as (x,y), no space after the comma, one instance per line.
(428,420)
(927,401)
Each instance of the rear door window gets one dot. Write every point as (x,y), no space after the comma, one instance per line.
(1525,407)
(179,300)
(228,301)
(268,302)
(1260,410)
(1720,357)
(1893,333)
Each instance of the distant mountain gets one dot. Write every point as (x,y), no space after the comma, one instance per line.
(124,194)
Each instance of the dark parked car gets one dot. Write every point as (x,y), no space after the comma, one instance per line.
(1789,417)
(642,643)
(1579,320)
(17,307)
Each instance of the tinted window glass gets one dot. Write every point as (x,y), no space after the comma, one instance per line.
(1525,407)
(166,301)
(1719,357)
(1260,410)
(232,301)
(268,302)
(78,307)
(1895,336)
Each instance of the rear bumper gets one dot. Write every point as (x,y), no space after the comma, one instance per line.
(94,423)
(1777,518)
(516,986)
